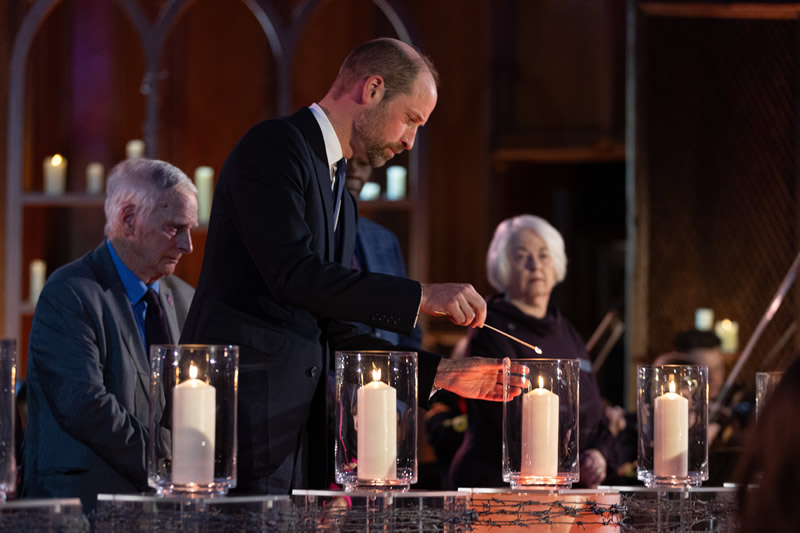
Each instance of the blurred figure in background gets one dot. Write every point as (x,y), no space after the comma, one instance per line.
(769,467)
(526,259)
(377,250)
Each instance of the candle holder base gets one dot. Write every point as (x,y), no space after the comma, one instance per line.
(193,490)
(652,481)
(560,481)
(378,485)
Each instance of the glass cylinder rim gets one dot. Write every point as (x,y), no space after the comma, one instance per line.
(543,360)
(195,346)
(377,352)
(671,365)
(769,372)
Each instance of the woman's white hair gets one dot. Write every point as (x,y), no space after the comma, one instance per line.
(141,182)
(497,261)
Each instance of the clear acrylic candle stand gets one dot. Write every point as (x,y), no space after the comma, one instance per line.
(673,425)
(8,377)
(193,394)
(540,425)
(376,420)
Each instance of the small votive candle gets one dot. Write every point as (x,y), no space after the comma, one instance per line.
(204,181)
(395,182)
(134,148)
(704,319)
(728,333)
(38,272)
(94,177)
(370,191)
(55,174)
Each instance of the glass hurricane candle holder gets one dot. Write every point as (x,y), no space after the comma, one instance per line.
(193,395)
(540,425)
(673,425)
(8,382)
(376,420)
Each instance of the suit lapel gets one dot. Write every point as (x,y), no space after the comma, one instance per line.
(349,224)
(307,124)
(123,312)
(168,304)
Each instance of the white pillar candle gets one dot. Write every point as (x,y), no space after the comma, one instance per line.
(728,333)
(134,148)
(55,174)
(193,426)
(38,272)
(539,433)
(377,430)
(94,178)
(395,182)
(204,181)
(671,435)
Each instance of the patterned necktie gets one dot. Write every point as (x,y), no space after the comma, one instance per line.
(338,187)
(156,326)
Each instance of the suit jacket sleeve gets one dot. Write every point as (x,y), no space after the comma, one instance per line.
(272,172)
(64,346)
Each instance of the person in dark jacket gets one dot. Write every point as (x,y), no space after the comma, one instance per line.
(526,259)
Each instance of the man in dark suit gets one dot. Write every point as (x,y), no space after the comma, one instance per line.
(88,370)
(377,250)
(276,277)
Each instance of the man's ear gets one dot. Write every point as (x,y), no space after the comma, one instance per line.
(373,90)
(127,220)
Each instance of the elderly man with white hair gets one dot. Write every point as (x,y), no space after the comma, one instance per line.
(88,368)
(526,259)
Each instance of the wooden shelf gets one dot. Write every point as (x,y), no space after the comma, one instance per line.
(399,205)
(63,200)
(561,154)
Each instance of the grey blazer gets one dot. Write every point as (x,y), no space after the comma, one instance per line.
(87,384)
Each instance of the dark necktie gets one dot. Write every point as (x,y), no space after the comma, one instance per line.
(338,187)
(156,326)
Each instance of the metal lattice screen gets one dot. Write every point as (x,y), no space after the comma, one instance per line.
(717,138)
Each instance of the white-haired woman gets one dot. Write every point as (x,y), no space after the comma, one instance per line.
(525,261)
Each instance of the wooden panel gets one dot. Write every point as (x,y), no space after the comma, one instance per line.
(718,137)
(219,81)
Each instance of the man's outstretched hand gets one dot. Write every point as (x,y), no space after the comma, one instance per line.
(480,378)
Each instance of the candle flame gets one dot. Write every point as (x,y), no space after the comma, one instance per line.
(192,371)
(726,324)
(671,385)
(376,374)
(56,160)
(541,382)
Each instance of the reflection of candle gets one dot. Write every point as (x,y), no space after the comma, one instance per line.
(37,274)
(94,178)
(134,148)
(671,439)
(539,432)
(193,423)
(204,181)
(395,183)
(728,333)
(377,430)
(55,174)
